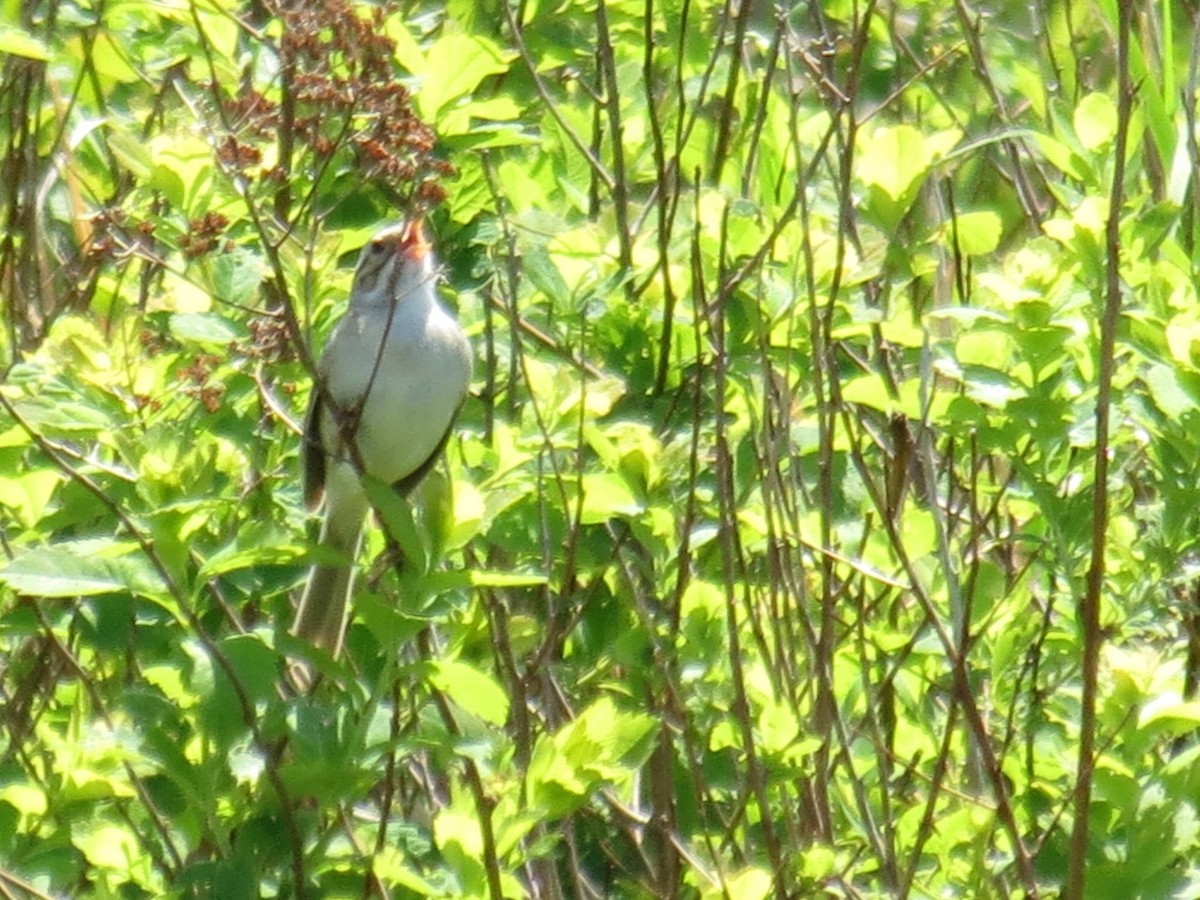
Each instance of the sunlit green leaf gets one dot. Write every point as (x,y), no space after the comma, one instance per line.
(481,578)
(1096,120)
(110,847)
(19,42)
(868,390)
(454,66)
(600,745)
(978,233)
(1167,392)
(892,158)
(605,496)
(1063,157)
(27,494)
(389,866)
(28,799)
(752,884)
(473,690)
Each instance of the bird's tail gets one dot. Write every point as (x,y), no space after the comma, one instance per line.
(321,616)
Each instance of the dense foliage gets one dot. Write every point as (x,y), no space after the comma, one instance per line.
(824,513)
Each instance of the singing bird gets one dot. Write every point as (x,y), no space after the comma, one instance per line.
(391,380)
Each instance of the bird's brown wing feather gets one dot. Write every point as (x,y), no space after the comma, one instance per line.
(312,453)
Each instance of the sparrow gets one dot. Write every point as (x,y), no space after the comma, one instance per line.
(391,380)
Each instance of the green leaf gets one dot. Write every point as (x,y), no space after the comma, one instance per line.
(1168,394)
(1096,121)
(1063,157)
(204,328)
(28,494)
(390,626)
(408,53)
(603,744)
(183,169)
(64,416)
(538,265)
(991,387)
(484,578)
(476,692)
(892,158)
(1171,714)
(750,884)
(893,161)
(1183,339)
(109,847)
(130,151)
(467,516)
(984,346)
(978,233)
(17,41)
(255,547)
(606,495)
(868,390)
(388,865)
(396,514)
(457,833)
(253,664)
(28,799)
(454,67)
(74,569)
(236,276)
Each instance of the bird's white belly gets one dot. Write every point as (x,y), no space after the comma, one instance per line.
(415,383)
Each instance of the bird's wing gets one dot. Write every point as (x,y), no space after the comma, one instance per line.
(404,486)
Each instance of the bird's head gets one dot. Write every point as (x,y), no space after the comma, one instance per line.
(396,262)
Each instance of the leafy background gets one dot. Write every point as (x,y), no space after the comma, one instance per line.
(823,515)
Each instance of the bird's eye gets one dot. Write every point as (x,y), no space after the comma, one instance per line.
(377,247)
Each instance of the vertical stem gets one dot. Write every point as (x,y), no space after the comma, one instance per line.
(612,102)
(729,104)
(485,805)
(1089,611)
(730,552)
(664,205)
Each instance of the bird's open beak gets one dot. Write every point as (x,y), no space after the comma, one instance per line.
(413,242)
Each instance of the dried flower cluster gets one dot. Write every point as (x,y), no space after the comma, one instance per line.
(268,340)
(339,81)
(198,382)
(203,234)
